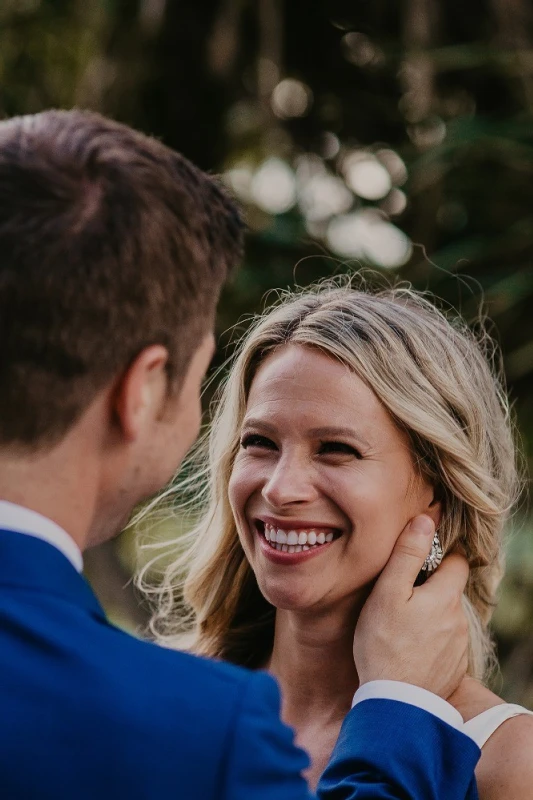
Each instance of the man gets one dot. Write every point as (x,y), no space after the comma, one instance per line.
(113,250)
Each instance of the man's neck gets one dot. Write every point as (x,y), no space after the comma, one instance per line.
(60,484)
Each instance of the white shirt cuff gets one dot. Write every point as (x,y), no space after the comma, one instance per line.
(414,696)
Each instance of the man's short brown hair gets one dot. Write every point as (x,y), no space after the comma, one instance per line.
(109,242)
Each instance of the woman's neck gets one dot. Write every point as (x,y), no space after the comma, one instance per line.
(312,658)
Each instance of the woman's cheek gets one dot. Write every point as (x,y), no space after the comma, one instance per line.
(235,489)
(375,526)
(241,486)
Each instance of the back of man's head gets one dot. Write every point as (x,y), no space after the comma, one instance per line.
(109,242)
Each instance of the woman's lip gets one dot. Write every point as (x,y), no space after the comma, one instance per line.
(297,524)
(286,559)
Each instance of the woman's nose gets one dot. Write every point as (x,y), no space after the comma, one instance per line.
(291,481)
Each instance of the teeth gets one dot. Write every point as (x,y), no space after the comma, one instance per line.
(294,541)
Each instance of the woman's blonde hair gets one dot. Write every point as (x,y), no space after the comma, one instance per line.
(441,384)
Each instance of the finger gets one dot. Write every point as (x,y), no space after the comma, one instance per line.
(410,551)
(451,577)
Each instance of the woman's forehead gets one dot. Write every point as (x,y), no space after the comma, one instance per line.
(304,386)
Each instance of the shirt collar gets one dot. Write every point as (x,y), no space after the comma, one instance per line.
(22,520)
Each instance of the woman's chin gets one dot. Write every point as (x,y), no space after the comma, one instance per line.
(311,597)
(288,598)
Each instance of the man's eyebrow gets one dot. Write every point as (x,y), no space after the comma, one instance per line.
(318,433)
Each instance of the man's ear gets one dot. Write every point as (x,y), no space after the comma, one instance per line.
(141,391)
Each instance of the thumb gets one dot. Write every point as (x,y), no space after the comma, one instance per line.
(410,551)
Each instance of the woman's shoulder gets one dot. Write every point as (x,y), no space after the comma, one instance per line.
(505,769)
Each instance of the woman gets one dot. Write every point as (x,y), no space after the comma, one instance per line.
(347,413)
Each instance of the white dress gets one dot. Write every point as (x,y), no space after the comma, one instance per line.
(481,728)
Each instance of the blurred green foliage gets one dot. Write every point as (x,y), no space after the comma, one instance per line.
(396,136)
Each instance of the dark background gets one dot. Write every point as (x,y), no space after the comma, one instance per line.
(392,134)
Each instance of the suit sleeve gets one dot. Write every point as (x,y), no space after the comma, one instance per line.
(264,763)
(391,750)
(387,750)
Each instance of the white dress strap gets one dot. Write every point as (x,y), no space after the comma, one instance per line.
(481,728)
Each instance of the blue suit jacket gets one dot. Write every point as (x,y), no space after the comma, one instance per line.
(89,712)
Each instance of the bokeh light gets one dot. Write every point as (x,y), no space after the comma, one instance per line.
(366,175)
(291,98)
(322,196)
(273,186)
(239,179)
(366,234)
(359,50)
(394,164)
(330,145)
(394,203)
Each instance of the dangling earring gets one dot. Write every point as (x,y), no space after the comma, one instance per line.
(434,558)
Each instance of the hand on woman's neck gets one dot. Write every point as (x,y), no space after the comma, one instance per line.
(312,658)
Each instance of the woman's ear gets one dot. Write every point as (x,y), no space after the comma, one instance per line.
(434,509)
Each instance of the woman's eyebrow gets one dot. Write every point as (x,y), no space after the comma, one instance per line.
(321,433)
(318,433)
(252,422)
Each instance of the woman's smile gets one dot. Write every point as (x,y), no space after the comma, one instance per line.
(289,542)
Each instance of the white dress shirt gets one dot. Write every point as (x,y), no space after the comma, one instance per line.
(22,520)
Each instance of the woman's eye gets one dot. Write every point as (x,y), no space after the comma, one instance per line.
(339,447)
(254,440)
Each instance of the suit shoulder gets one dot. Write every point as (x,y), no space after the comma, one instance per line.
(172,662)
(145,669)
